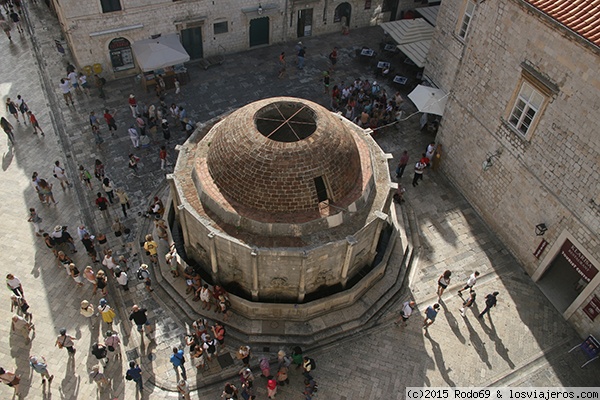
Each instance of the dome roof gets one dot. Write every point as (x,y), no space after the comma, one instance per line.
(283,155)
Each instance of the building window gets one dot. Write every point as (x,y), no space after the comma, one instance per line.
(321,189)
(121,56)
(527,107)
(221,27)
(466,20)
(110,5)
(367,4)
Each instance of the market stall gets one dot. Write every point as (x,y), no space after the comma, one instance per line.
(162,56)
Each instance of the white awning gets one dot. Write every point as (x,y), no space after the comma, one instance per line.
(429,100)
(164,51)
(408,30)
(416,51)
(429,13)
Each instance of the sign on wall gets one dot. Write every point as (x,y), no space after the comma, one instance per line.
(592,309)
(578,261)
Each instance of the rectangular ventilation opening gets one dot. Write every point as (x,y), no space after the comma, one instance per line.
(321,189)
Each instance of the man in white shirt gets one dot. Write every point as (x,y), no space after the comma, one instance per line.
(470,282)
(14,284)
(65,87)
(407,309)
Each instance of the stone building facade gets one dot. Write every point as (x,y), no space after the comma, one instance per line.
(282,199)
(520,135)
(100,31)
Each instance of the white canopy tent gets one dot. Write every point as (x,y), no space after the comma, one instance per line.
(429,13)
(429,100)
(408,30)
(413,37)
(164,51)
(416,51)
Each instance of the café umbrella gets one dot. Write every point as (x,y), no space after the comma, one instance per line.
(429,100)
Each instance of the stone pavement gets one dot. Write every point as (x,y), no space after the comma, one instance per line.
(524,342)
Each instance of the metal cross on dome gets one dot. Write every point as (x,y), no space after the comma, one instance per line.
(290,122)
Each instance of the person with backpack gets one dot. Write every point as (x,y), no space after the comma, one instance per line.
(113,343)
(144,275)
(134,373)
(210,347)
(101,353)
(308,366)
(178,361)
(19,303)
(86,177)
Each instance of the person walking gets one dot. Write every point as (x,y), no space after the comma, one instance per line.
(139,317)
(7,128)
(82,79)
(144,273)
(133,105)
(271,388)
(102,204)
(10,378)
(470,282)
(184,389)
(178,361)
(23,107)
(14,284)
(333,56)
(45,190)
(12,109)
(40,365)
(301,54)
(430,314)
(162,155)
(134,136)
(90,248)
(106,312)
(443,282)
(282,65)
(86,177)
(100,82)
(134,373)
(490,301)
(113,343)
(402,163)
(469,302)
(110,120)
(308,365)
(19,303)
(34,123)
(122,279)
(59,173)
(101,353)
(151,249)
(22,326)
(406,312)
(123,200)
(133,163)
(87,310)
(65,88)
(75,274)
(326,81)
(229,392)
(66,341)
(419,169)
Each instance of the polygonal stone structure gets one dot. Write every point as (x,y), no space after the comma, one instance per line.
(282,200)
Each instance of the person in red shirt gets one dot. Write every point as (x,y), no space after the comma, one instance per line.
(110,120)
(102,204)
(424,159)
(133,105)
(34,123)
(162,155)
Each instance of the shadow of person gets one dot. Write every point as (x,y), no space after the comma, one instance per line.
(19,351)
(453,323)
(439,361)
(477,343)
(46,392)
(500,348)
(7,158)
(69,386)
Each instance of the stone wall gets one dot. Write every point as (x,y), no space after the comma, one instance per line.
(550,176)
(166,16)
(278,269)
